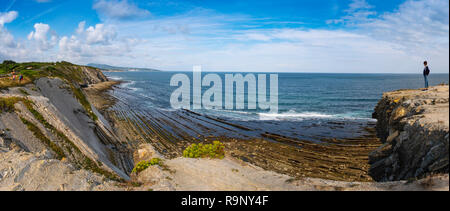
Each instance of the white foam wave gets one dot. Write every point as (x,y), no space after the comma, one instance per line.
(115,78)
(129,85)
(294,115)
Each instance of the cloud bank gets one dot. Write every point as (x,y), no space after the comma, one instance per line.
(393,42)
(119,9)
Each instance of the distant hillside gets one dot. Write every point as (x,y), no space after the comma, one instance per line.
(114,68)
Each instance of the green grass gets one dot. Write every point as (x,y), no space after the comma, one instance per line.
(214,150)
(67,72)
(84,102)
(31,71)
(35,70)
(7,103)
(24,92)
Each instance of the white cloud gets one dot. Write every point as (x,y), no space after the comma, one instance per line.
(118,9)
(9,48)
(392,42)
(6,39)
(99,34)
(7,17)
(41,37)
(296,50)
(358,11)
(416,24)
(420,28)
(80,28)
(93,44)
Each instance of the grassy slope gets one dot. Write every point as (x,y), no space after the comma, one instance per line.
(31,71)
(68,72)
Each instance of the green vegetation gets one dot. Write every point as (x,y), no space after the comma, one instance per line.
(35,70)
(7,66)
(136,184)
(24,92)
(7,103)
(84,102)
(73,74)
(68,72)
(38,134)
(142,165)
(214,150)
(32,70)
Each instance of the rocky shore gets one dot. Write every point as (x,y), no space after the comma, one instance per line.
(57,132)
(49,126)
(413,127)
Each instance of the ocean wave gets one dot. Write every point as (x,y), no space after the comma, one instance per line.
(129,85)
(294,116)
(115,78)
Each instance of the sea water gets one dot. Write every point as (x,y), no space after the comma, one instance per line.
(310,105)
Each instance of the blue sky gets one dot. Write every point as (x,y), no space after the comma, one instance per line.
(234,35)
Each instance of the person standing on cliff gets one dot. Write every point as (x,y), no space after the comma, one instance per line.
(426,72)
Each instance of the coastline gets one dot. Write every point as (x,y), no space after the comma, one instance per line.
(63,141)
(335,164)
(335,159)
(98,95)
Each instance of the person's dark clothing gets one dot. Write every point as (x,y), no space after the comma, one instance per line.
(426,72)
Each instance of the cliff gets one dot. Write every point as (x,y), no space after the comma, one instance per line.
(413,127)
(48,127)
(52,137)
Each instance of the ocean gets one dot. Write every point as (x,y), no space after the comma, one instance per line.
(310,105)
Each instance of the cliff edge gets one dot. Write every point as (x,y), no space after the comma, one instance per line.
(413,127)
(50,131)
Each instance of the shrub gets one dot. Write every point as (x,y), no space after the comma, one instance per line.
(7,103)
(144,164)
(8,62)
(24,92)
(214,150)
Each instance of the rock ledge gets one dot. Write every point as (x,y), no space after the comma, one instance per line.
(413,127)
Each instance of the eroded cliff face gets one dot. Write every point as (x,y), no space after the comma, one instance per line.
(413,127)
(51,130)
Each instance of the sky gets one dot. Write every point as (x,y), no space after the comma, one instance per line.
(334,36)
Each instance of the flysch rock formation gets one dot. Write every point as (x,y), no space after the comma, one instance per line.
(413,127)
(92,154)
(21,170)
(230,174)
(51,140)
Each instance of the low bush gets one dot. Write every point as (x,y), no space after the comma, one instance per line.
(214,150)
(142,165)
(7,103)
